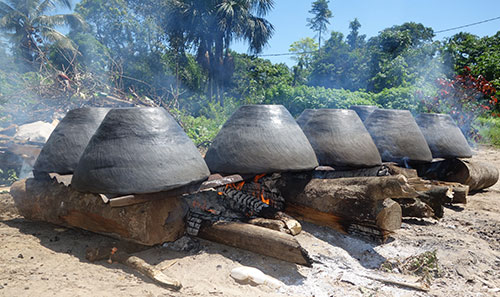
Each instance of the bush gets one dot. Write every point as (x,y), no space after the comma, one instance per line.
(399,98)
(489,129)
(296,99)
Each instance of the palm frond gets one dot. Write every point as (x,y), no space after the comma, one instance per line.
(44,6)
(59,39)
(74,20)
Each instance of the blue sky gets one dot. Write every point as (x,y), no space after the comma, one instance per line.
(289,19)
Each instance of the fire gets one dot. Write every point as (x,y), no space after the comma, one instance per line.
(257,193)
(203,206)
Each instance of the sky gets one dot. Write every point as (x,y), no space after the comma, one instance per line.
(289,18)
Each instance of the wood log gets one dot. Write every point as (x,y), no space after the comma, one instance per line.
(414,207)
(436,197)
(120,256)
(477,175)
(360,199)
(149,223)
(292,224)
(272,224)
(258,240)
(459,191)
(326,172)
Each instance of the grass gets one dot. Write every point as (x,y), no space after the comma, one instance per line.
(424,265)
(489,129)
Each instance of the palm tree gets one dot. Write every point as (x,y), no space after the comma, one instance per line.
(212,25)
(321,18)
(29,28)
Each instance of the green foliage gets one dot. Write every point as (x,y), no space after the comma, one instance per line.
(489,129)
(253,76)
(296,99)
(8,177)
(31,26)
(399,98)
(321,17)
(482,55)
(340,67)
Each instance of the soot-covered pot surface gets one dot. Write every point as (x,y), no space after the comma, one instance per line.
(260,139)
(339,138)
(138,150)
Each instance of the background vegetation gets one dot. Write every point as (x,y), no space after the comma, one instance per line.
(177,54)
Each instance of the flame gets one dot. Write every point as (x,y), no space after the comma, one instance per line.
(258,193)
(266,201)
(203,206)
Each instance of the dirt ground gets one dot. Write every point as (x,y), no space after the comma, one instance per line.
(38,259)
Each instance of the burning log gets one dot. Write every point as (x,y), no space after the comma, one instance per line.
(476,175)
(343,201)
(149,223)
(258,240)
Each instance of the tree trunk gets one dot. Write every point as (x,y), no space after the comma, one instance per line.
(149,223)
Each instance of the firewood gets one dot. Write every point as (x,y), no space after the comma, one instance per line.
(460,191)
(326,172)
(258,240)
(292,224)
(436,197)
(117,255)
(272,224)
(414,207)
(315,216)
(359,199)
(477,175)
(148,223)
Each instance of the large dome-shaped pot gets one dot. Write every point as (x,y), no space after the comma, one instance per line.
(339,138)
(260,139)
(397,136)
(363,111)
(138,150)
(443,136)
(63,149)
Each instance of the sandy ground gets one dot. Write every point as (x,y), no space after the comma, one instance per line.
(38,259)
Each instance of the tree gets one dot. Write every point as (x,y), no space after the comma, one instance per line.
(354,39)
(321,18)
(30,28)
(211,26)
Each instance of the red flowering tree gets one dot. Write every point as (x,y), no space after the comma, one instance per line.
(465,98)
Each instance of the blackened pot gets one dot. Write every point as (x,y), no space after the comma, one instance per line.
(63,149)
(138,150)
(397,136)
(363,111)
(443,136)
(339,138)
(260,139)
